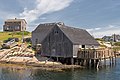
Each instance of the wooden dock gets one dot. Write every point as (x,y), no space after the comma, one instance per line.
(91,58)
(96,57)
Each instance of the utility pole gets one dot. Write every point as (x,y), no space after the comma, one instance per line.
(22,36)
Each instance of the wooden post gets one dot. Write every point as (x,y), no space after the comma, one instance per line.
(92,63)
(88,63)
(110,60)
(57,59)
(100,63)
(78,61)
(104,61)
(72,61)
(82,62)
(97,63)
(115,57)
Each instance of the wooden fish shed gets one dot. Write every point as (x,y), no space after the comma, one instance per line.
(60,41)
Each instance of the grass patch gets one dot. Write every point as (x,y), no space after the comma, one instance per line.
(21,33)
(117,43)
(116,48)
(6,35)
(99,39)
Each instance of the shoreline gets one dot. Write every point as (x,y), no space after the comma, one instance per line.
(19,56)
(49,67)
(43,65)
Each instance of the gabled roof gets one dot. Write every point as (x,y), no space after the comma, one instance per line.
(79,36)
(76,35)
(11,20)
(44,30)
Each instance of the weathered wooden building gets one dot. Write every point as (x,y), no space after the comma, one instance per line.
(15,25)
(59,40)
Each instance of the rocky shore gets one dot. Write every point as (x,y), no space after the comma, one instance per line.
(39,64)
(24,56)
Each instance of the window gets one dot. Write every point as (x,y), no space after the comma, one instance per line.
(36,41)
(17,27)
(6,28)
(56,32)
(83,46)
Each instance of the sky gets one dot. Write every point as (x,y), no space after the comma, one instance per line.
(98,17)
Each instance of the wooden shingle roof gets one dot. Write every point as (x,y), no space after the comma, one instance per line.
(79,36)
(76,35)
(44,30)
(15,20)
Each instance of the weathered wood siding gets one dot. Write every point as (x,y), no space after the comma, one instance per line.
(75,50)
(56,44)
(35,38)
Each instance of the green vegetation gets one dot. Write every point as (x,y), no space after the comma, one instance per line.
(99,39)
(116,48)
(117,44)
(103,46)
(6,35)
(21,33)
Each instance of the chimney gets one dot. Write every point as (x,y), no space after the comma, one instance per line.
(60,23)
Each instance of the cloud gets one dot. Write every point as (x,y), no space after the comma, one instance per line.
(93,29)
(90,30)
(97,28)
(43,18)
(100,32)
(44,7)
(33,10)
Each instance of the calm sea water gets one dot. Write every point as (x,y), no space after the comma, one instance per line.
(37,74)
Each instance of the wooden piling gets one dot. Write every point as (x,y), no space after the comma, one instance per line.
(88,63)
(82,62)
(100,62)
(115,57)
(92,63)
(79,61)
(57,59)
(72,61)
(104,61)
(110,60)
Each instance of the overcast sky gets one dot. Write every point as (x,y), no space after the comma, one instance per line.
(99,17)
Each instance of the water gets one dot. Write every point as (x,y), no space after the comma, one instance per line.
(13,73)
